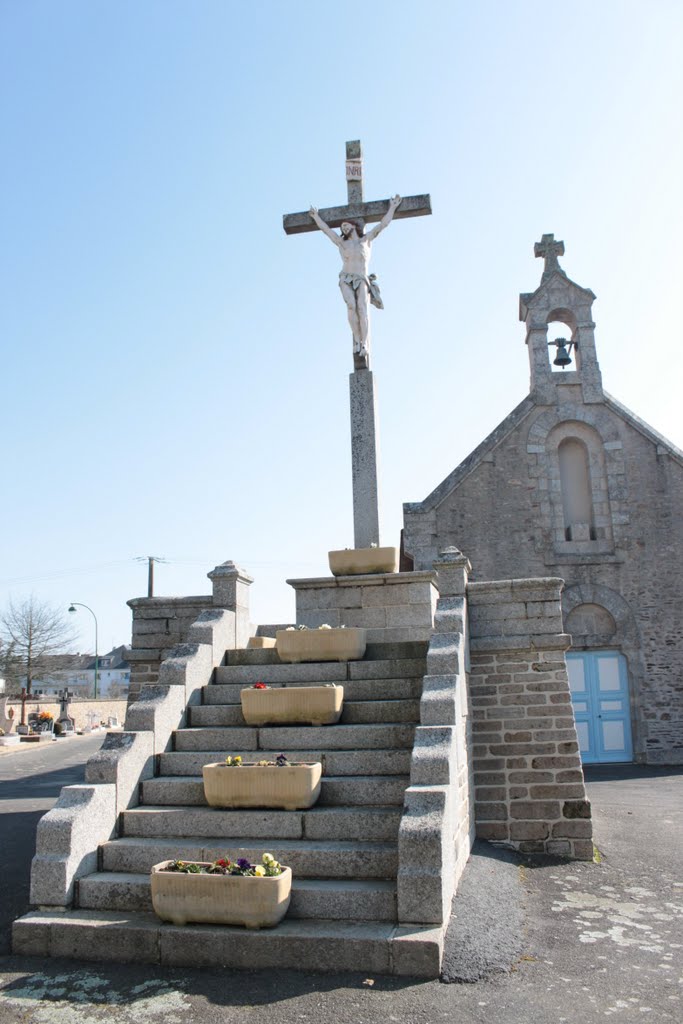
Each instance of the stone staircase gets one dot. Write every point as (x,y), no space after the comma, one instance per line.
(343,852)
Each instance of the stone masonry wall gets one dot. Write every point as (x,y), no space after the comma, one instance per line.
(529,787)
(78,710)
(504,510)
(392,607)
(159,623)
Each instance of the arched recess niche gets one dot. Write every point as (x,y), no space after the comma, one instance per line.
(562,324)
(591,625)
(578,491)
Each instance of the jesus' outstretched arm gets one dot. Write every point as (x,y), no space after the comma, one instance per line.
(325,228)
(386,219)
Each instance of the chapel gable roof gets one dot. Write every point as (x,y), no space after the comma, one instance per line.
(505,428)
(474,459)
(663,445)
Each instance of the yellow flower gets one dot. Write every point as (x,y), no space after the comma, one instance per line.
(259,870)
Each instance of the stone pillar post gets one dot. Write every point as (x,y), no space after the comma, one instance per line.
(231,590)
(587,362)
(364,459)
(453,569)
(539,361)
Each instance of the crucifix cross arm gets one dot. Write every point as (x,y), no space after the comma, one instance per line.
(334,216)
(356,208)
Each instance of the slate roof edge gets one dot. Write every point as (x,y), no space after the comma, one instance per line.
(642,427)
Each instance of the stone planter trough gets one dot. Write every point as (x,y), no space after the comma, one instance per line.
(290,788)
(295,645)
(363,561)
(301,705)
(220,899)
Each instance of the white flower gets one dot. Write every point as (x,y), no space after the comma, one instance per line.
(324,626)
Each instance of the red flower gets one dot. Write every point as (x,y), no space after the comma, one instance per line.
(260,686)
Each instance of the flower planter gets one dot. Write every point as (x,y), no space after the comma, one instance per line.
(10,740)
(260,643)
(290,788)
(363,561)
(296,645)
(220,899)
(303,705)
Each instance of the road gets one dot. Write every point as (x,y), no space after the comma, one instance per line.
(556,942)
(31,778)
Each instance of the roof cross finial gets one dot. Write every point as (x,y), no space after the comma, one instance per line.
(549,249)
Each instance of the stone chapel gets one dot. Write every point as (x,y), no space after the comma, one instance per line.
(574,485)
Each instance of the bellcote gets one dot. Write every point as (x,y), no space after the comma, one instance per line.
(559,300)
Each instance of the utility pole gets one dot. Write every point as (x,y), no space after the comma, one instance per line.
(150,559)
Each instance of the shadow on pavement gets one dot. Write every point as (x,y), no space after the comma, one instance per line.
(42,785)
(624,772)
(110,984)
(18,847)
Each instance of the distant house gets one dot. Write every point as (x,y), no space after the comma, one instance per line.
(113,672)
(77,672)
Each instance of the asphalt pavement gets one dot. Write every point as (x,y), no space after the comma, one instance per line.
(31,778)
(539,941)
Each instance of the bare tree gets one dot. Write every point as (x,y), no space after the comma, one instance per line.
(33,631)
(10,666)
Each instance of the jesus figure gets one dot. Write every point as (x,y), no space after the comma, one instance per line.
(357,287)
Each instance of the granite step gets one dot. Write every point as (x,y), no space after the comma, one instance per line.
(382,947)
(395,650)
(308,858)
(353,712)
(291,738)
(319,672)
(359,790)
(386,762)
(363,823)
(328,899)
(407,688)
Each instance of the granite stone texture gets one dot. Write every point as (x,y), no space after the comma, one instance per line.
(392,607)
(67,840)
(436,831)
(504,505)
(528,780)
(364,459)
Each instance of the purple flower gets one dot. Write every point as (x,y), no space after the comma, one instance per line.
(243,864)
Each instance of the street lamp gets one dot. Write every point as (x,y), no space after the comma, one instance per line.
(72,608)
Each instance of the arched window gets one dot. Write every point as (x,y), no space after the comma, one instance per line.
(577,501)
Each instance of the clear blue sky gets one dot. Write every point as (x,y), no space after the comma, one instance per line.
(175,368)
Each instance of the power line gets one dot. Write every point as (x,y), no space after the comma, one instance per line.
(62,573)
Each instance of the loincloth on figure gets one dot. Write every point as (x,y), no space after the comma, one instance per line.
(355,280)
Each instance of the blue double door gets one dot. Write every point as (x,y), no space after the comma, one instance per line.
(600,696)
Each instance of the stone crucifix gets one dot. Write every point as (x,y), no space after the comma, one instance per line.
(548,249)
(359,290)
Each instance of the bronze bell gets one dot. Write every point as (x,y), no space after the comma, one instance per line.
(562,358)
